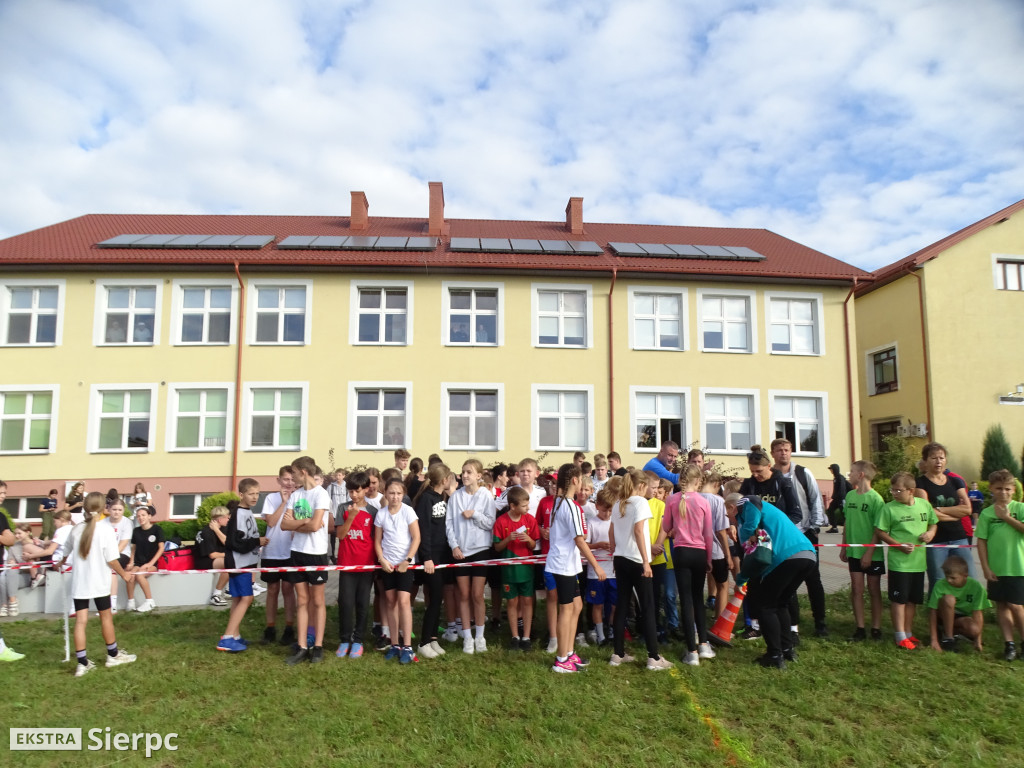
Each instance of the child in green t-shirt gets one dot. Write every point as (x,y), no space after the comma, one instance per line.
(957,601)
(861,508)
(1000,535)
(904,524)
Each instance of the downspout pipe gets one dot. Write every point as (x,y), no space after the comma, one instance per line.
(849,368)
(238,377)
(611,364)
(924,349)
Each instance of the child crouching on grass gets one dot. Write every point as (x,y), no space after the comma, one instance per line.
(242,551)
(957,601)
(396,539)
(96,551)
(1000,535)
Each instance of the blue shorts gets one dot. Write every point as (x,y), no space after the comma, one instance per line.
(549,581)
(602,592)
(240,584)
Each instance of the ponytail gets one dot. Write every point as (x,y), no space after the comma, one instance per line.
(95,503)
(631,482)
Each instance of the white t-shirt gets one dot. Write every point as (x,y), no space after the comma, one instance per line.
(122,532)
(60,535)
(597,531)
(90,577)
(279,543)
(566,525)
(304,504)
(395,536)
(377,501)
(636,510)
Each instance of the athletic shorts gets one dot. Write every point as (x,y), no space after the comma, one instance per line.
(513,589)
(538,576)
(906,587)
(302,560)
(567,587)
(877,567)
(1009,589)
(102,603)
(398,581)
(549,582)
(273,578)
(720,571)
(240,584)
(479,572)
(124,559)
(602,592)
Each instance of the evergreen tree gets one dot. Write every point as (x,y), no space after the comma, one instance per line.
(996,453)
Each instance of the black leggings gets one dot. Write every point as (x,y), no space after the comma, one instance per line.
(771,595)
(433,585)
(353,604)
(691,565)
(815,590)
(629,575)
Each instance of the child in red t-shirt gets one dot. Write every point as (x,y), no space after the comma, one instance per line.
(354,529)
(515,534)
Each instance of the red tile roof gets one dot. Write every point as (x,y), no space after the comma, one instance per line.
(73,244)
(886,275)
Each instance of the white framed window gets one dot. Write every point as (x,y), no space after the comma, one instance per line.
(203,312)
(562,418)
(275,416)
(657,319)
(1008,272)
(657,414)
(28,419)
(726,321)
(881,369)
(24,509)
(199,417)
(729,419)
(31,312)
(801,418)
(127,312)
(473,314)
(562,315)
(379,415)
(121,418)
(381,312)
(795,325)
(186,504)
(472,416)
(281,312)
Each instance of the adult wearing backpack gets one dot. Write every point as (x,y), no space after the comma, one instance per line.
(812,518)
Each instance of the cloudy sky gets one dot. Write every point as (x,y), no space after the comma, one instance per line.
(864,128)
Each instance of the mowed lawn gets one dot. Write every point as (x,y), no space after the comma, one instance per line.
(840,705)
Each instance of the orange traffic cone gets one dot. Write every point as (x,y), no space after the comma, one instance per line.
(721,633)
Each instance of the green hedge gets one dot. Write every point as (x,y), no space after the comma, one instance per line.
(186,530)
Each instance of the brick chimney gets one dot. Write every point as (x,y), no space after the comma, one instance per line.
(436,224)
(360,220)
(574,216)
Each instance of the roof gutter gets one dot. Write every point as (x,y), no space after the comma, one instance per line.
(238,377)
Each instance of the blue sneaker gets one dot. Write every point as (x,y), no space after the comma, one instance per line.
(356,652)
(243,641)
(230,645)
(393,652)
(407,656)
(342,651)
(310,639)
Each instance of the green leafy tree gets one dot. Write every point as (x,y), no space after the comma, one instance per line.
(996,453)
(216,500)
(897,456)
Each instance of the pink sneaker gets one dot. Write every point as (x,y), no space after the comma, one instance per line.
(565,667)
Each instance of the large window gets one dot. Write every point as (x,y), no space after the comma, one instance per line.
(801,419)
(27,419)
(561,315)
(203,312)
(275,416)
(128,312)
(562,417)
(122,418)
(281,311)
(882,370)
(379,415)
(472,416)
(199,417)
(794,323)
(726,321)
(186,504)
(658,415)
(472,314)
(729,419)
(657,319)
(1009,274)
(381,313)
(30,312)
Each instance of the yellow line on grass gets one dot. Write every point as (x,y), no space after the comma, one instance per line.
(736,753)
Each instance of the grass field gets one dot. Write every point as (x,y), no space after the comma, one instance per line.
(839,705)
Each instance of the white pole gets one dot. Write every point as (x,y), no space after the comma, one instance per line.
(64,600)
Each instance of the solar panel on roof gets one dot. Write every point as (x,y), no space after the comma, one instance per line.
(186,241)
(717,252)
(627,249)
(296,241)
(586,246)
(556,246)
(252,241)
(325,242)
(688,251)
(391,243)
(121,241)
(747,254)
(360,243)
(220,241)
(495,244)
(421,244)
(154,241)
(657,249)
(465,244)
(520,245)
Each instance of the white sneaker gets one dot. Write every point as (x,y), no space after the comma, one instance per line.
(581,640)
(481,645)
(131,604)
(692,658)
(553,645)
(113,608)
(592,637)
(468,645)
(617,660)
(258,589)
(436,648)
(218,600)
(85,669)
(427,652)
(661,663)
(147,606)
(121,658)
(3,609)
(705,651)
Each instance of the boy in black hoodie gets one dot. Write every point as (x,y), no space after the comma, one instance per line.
(242,544)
